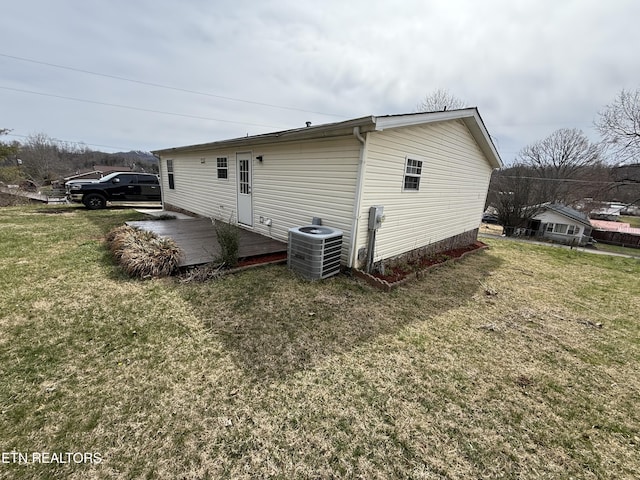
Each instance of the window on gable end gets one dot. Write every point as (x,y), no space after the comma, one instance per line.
(412,174)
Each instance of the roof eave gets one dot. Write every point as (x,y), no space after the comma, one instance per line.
(304,133)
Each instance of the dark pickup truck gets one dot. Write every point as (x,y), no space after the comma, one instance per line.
(116,187)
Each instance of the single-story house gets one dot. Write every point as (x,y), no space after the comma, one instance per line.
(561,224)
(97,172)
(430,172)
(607,211)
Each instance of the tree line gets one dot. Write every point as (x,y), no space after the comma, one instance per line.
(42,160)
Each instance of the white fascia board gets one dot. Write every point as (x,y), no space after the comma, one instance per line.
(395,121)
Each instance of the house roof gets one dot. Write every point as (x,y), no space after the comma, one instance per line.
(568,212)
(615,227)
(470,117)
(111,168)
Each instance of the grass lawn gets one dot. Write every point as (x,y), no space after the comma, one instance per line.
(605,247)
(633,221)
(518,362)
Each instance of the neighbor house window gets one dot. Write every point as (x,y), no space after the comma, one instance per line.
(560,228)
(223,167)
(412,173)
(170,174)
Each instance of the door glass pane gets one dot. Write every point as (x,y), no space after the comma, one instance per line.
(243,176)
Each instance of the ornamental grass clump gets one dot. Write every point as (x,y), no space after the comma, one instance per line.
(143,254)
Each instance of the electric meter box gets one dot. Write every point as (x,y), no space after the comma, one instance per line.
(376,217)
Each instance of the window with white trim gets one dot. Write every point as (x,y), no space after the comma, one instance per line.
(563,229)
(412,174)
(222,165)
(170,174)
(560,228)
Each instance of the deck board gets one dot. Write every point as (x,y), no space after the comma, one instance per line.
(197,239)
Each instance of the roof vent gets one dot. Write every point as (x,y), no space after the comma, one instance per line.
(308,124)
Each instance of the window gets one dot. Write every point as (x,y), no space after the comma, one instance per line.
(412,173)
(560,228)
(147,179)
(223,168)
(573,230)
(126,178)
(170,174)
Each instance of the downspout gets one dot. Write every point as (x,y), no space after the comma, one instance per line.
(356,208)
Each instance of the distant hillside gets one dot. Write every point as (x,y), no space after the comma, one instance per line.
(137,156)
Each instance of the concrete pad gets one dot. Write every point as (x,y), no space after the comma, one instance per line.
(154,212)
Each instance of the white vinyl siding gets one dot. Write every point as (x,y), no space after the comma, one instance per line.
(453,186)
(301,180)
(197,188)
(295,182)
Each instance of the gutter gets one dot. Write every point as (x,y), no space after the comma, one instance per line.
(357,203)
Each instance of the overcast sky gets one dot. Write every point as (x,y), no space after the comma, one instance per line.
(531,67)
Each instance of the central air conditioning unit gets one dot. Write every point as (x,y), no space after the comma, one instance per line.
(314,251)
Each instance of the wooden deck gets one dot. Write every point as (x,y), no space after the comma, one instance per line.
(197,239)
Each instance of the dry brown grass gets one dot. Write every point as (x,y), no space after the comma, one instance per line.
(494,367)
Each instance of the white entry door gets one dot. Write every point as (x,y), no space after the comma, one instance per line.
(245,207)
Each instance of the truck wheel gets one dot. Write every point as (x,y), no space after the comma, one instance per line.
(93,201)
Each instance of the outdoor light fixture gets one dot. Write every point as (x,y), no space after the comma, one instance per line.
(259,158)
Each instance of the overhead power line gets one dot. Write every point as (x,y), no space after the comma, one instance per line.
(562,179)
(140,109)
(166,87)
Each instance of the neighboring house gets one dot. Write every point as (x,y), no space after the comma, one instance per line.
(561,224)
(96,173)
(608,211)
(430,172)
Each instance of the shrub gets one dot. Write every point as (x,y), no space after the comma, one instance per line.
(143,254)
(228,236)
(202,273)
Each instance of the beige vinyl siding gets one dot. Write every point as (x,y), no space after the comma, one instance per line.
(295,182)
(453,186)
(197,188)
(301,180)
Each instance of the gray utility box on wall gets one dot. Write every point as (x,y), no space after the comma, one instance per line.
(314,251)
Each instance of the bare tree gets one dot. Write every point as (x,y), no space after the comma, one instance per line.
(559,161)
(440,100)
(514,196)
(40,157)
(619,126)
